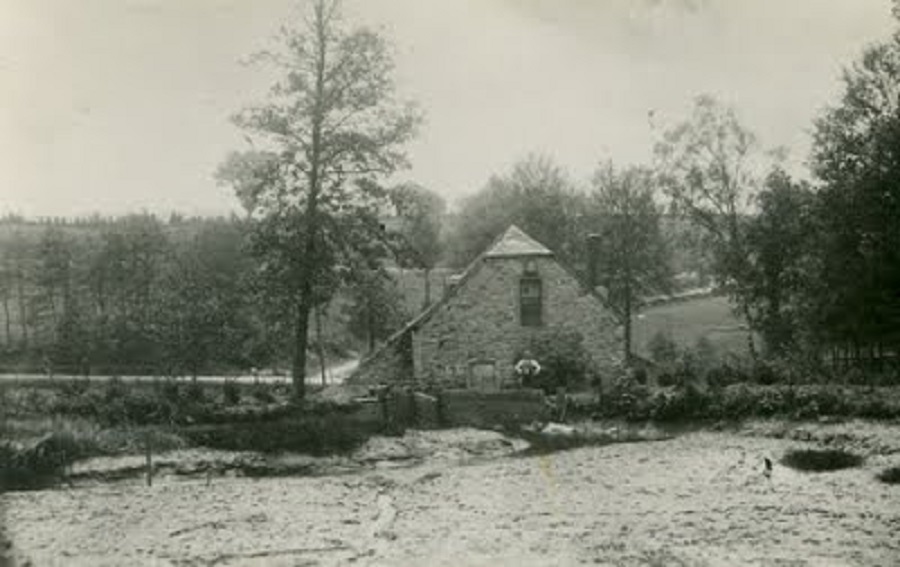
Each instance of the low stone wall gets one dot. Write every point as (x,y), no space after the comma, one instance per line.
(482,409)
(428,412)
(452,408)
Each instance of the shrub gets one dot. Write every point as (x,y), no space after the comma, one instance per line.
(667,379)
(170,391)
(890,475)
(627,398)
(74,388)
(821,460)
(263,393)
(315,435)
(725,374)
(564,360)
(733,402)
(875,406)
(194,391)
(675,404)
(114,388)
(231,392)
(662,348)
(816,401)
(765,374)
(41,462)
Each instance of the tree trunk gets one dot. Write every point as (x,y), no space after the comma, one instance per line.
(6,320)
(321,349)
(313,177)
(628,325)
(751,342)
(301,337)
(370,326)
(23,316)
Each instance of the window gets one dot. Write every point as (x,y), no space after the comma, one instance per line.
(530,302)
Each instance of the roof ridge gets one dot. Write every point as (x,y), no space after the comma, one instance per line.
(516,242)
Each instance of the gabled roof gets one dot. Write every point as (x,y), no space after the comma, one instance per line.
(514,242)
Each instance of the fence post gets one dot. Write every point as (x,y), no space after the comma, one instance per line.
(439,410)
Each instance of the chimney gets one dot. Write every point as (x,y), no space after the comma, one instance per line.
(593,252)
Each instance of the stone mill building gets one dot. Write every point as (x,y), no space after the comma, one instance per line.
(514,292)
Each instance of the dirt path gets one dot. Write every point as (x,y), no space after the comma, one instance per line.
(699,499)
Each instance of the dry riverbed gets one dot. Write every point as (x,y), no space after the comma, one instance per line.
(697,499)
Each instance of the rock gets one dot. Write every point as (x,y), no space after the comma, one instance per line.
(558,429)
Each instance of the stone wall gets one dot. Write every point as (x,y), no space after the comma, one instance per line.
(476,409)
(480,323)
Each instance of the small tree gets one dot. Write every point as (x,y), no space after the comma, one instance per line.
(779,241)
(421,213)
(376,310)
(632,258)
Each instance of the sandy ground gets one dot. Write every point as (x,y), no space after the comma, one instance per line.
(699,499)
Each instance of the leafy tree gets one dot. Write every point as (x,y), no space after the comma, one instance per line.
(20,255)
(538,196)
(376,310)
(780,239)
(329,132)
(421,215)
(856,155)
(6,292)
(203,320)
(709,168)
(53,277)
(631,253)
(127,290)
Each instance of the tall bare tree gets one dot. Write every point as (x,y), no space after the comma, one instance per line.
(330,130)
(710,166)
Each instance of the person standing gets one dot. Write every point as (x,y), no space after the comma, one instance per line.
(527,370)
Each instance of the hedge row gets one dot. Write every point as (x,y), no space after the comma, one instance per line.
(637,402)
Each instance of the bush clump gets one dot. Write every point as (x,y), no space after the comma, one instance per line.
(563,358)
(312,434)
(231,393)
(890,475)
(821,460)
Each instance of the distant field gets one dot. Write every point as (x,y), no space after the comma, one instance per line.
(688,320)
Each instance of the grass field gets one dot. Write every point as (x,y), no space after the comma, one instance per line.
(687,321)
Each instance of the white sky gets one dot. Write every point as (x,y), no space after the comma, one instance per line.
(122,105)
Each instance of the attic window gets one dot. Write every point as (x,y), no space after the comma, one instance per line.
(530,301)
